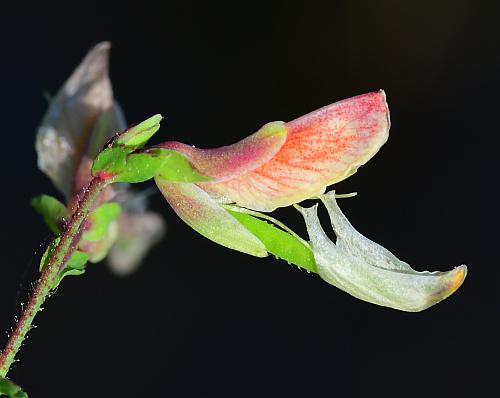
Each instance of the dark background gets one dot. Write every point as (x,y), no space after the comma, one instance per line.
(198,320)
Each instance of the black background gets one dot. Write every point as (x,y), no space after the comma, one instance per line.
(198,320)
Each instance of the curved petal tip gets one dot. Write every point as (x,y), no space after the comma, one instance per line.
(321,148)
(370,272)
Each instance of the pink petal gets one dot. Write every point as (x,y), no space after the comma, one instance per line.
(197,209)
(234,160)
(138,232)
(80,119)
(321,148)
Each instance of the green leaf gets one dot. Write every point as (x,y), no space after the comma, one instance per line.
(278,242)
(48,253)
(99,220)
(137,136)
(51,209)
(7,387)
(177,168)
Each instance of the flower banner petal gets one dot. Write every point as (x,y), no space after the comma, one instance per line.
(80,119)
(138,230)
(370,272)
(321,148)
(137,234)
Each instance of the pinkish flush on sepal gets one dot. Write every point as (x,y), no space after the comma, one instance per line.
(197,209)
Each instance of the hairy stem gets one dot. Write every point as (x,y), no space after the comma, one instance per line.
(70,239)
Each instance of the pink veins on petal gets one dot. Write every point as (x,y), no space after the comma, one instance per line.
(270,170)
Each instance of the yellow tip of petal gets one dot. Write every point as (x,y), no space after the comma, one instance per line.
(457,279)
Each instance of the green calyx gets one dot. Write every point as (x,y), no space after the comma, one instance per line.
(119,162)
(141,166)
(137,136)
(124,161)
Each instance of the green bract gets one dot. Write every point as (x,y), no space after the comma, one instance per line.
(48,253)
(10,389)
(114,160)
(137,136)
(111,161)
(51,209)
(122,162)
(75,265)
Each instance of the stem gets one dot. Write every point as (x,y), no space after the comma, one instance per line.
(48,278)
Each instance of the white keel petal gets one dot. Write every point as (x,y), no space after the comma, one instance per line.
(370,272)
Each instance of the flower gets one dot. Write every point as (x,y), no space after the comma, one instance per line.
(80,119)
(285,163)
(279,165)
(370,272)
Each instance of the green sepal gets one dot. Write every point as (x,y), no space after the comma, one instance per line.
(52,211)
(135,167)
(111,161)
(10,389)
(140,167)
(99,220)
(278,242)
(177,168)
(121,162)
(137,136)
